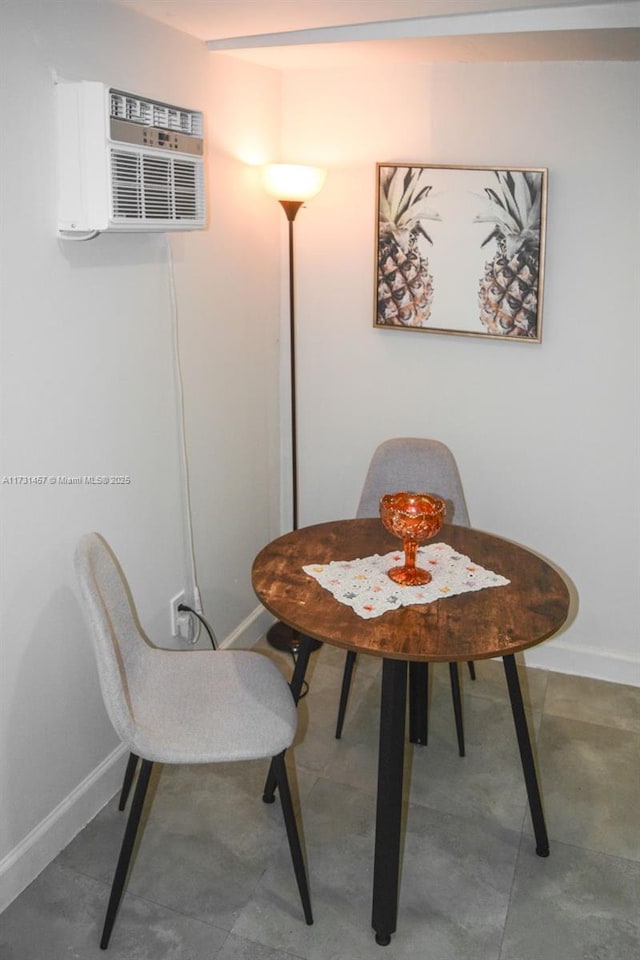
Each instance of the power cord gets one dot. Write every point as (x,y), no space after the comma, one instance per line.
(212,636)
(179,386)
(184,608)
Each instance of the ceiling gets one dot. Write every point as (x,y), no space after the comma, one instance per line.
(317,33)
(217,19)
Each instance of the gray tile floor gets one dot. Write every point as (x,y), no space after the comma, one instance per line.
(213,879)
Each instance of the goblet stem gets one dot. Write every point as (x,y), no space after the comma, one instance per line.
(410,547)
(409,575)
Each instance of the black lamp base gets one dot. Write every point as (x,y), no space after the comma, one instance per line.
(282,637)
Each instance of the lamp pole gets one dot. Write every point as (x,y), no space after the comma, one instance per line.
(291,185)
(291,208)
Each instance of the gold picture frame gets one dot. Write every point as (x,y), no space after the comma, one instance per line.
(460,250)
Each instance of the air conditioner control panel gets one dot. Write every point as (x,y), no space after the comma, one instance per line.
(122,131)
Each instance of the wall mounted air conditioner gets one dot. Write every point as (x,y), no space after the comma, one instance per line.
(126,163)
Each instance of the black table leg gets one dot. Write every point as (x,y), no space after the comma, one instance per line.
(418,702)
(386,865)
(299,671)
(526,756)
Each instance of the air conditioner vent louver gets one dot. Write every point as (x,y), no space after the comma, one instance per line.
(156,188)
(127,163)
(123,106)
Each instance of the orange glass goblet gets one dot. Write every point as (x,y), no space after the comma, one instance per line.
(414,517)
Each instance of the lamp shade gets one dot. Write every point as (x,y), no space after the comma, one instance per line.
(289,181)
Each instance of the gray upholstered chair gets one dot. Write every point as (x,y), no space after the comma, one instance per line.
(421,466)
(172,706)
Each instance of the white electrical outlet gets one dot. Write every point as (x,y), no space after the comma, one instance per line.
(184,625)
(177,617)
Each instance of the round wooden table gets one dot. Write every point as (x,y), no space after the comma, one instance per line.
(494,622)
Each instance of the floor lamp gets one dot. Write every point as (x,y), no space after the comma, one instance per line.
(291,185)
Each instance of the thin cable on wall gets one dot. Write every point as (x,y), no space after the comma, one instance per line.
(188,524)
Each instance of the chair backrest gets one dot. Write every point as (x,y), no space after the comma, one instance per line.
(123,653)
(421,466)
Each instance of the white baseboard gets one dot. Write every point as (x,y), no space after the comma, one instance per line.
(584,662)
(29,858)
(249,631)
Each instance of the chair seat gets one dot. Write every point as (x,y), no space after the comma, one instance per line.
(203,706)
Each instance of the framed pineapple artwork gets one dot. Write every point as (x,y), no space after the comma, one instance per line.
(460,250)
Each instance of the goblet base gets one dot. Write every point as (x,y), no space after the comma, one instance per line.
(409,576)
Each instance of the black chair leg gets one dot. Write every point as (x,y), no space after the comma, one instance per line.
(280,771)
(344,693)
(128,843)
(472,669)
(457,704)
(129,774)
(307,645)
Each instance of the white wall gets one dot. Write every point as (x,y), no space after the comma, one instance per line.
(88,387)
(546,435)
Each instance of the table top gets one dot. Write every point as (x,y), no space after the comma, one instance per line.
(470,626)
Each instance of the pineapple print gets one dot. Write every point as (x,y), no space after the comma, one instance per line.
(405,285)
(508,292)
